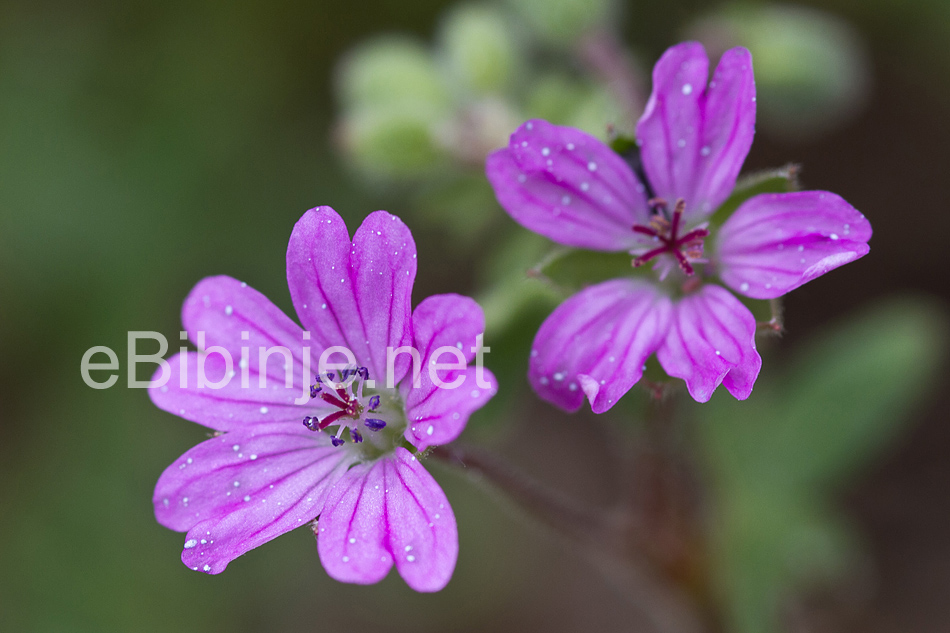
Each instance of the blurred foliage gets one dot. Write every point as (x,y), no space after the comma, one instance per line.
(812,69)
(778,458)
(426,117)
(560,23)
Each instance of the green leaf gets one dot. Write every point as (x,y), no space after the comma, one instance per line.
(776,458)
(572,269)
(768,545)
(841,399)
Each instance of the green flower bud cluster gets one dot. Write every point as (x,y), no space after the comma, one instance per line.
(411,112)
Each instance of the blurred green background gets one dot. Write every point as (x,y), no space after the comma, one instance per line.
(144,146)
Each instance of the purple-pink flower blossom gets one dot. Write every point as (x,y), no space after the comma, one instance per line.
(344,453)
(693,139)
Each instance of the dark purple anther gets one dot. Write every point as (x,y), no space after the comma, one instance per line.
(314,390)
(356,436)
(310,423)
(373,424)
(374,403)
(363,372)
(337,441)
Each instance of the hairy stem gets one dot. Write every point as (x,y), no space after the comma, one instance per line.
(603,537)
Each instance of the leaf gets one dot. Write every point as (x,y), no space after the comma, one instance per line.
(766,546)
(573,269)
(776,458)
(843,398)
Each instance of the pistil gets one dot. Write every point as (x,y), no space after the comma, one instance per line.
(665,230)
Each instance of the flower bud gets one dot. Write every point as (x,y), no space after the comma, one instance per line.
(563,22)
(391,141)
(479,49)
(391,71)
(565,101)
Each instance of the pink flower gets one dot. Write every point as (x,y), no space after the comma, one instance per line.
(693,139)
(290,449)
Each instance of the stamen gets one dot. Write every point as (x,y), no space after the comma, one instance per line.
(350,406)
(374,425)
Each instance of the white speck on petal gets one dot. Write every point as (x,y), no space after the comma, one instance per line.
(190,543)
(687,89)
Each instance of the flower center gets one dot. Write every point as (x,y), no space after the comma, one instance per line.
(350,403)
(665,230)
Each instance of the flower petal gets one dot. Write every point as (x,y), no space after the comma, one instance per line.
(232,406)
(239,490)
(222,310)
(437,415)
(774,243)
(694,139)
(596,342)
(358,294)
(568,186)
(386,511)
(711,341)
